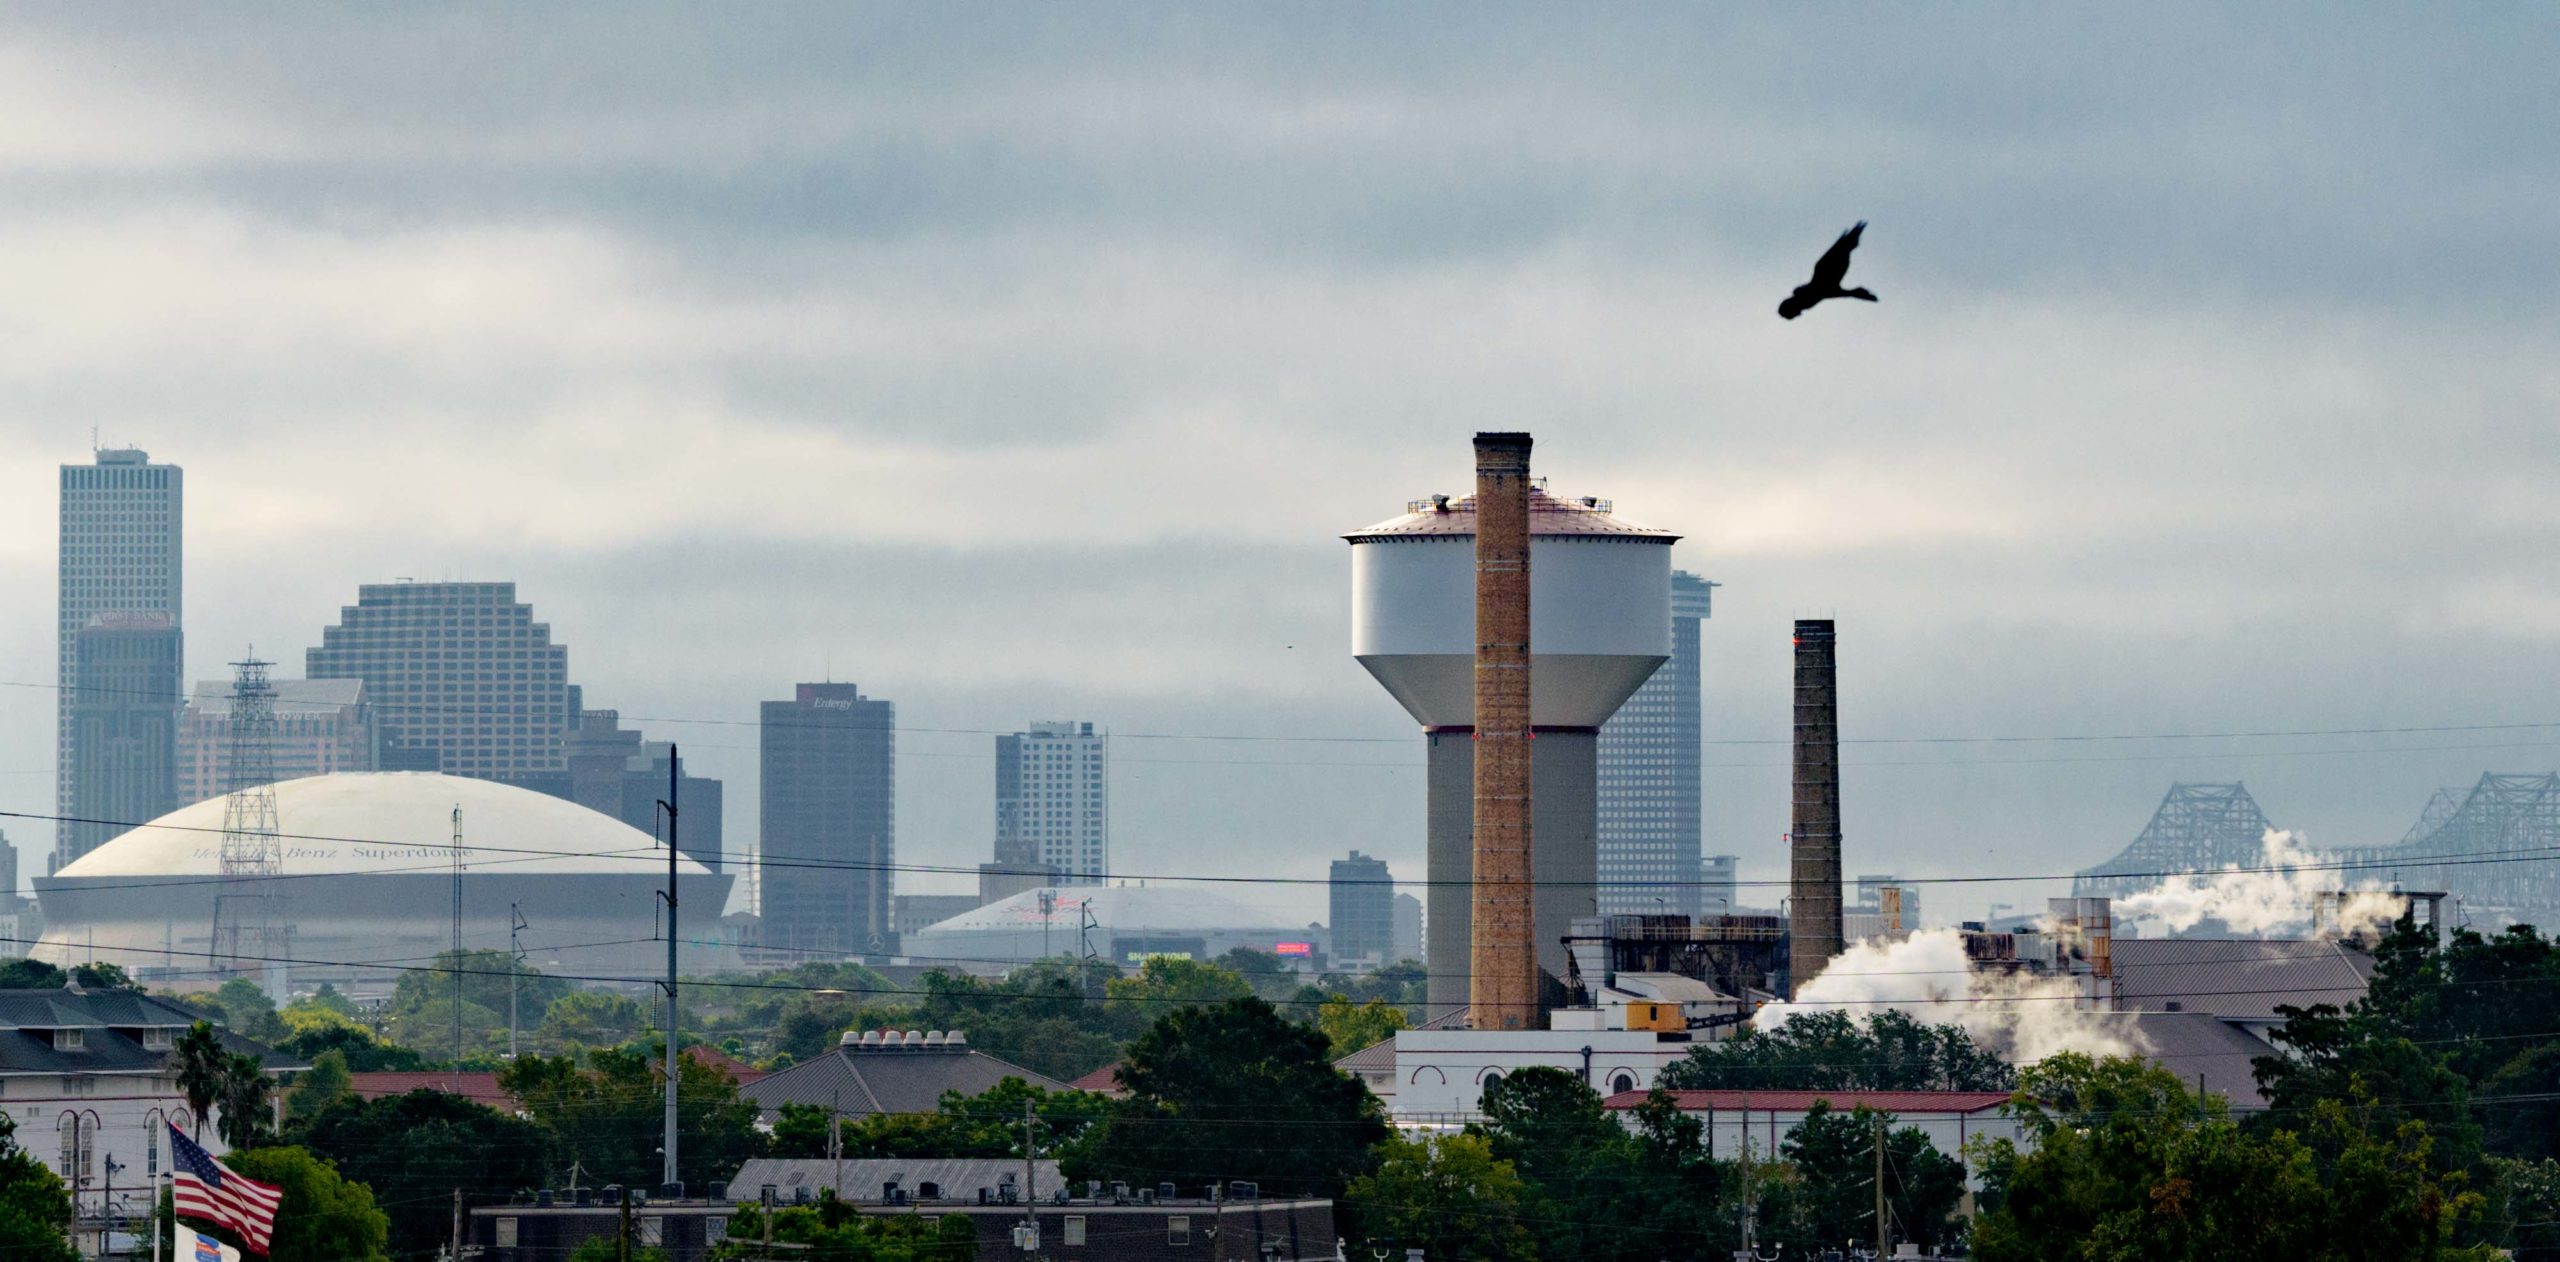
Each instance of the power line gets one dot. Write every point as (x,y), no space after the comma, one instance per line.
(2457,859)
(1993,739)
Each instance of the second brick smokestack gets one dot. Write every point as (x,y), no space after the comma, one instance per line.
(1502,964)
(1813,920)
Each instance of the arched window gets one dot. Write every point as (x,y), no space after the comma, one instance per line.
(1622,1083)
(1492,1079)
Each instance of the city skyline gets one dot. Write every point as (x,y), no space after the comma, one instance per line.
(983,381)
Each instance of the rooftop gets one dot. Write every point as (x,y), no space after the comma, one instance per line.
(861,1080)
(1444,517)
(2237,978)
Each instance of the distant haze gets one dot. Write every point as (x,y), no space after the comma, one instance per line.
(1025,362)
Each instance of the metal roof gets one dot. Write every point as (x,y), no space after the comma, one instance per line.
(884,1080)
(110,1022)
(1444,517)
(2237,978)
(2199,1047)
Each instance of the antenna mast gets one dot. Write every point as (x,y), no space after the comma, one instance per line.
(249,933)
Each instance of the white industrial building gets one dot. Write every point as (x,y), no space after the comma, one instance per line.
(367,880)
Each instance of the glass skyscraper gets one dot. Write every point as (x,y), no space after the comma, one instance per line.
(1649,778)
(829,816)
(461,678)
(1053,802)
(122,534)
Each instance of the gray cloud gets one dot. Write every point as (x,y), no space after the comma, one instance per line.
(1024,361)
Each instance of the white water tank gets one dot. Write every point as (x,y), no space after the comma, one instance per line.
(1599,608)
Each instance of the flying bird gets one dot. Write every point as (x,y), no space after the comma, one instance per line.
(1827,275)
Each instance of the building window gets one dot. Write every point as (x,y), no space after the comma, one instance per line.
(1177,1229)
(653,1230)
(506,1233)
(1074,1230)
(70,1040)
(1623,1083)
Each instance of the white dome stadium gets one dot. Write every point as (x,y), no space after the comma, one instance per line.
(1130,923)
(366,883)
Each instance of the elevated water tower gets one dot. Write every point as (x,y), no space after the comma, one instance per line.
(1599,624)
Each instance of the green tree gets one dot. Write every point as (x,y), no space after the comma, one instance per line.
(1595,1195)
(1166,982)
(427,1140)
(607,1116)
(2124,1162)
(322,1216)
(35,1211)
(1833,1051)
(243,1100)
(202,1064)
(1446,1195)
(94,976)
(1348,1027)
(26,974)
(1269,975)
(592,1018)
(247,1010)
(486,979)
(1236,1091)
(609,1249)
(1834,1155)
(832,1231)
(326,1083)
(363,1052)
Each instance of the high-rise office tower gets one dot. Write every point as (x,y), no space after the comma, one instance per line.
(1053,802)
(122,535)
(460,677)
(829,816)
(1363,919)
(1649,813)
(1719,884)
(616,770)
(124,728)
(322,726)
(1406,943)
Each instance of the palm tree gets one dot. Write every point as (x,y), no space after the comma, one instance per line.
(202,1063)
(244,1099)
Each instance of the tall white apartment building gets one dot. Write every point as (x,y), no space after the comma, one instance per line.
(1053,803)
(123,526)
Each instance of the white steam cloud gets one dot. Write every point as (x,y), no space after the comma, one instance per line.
(1928,976)
(2279,895)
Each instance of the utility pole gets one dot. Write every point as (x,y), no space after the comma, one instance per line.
(1880,1218)
(623,1243)
(675,1074)
(456,958)
(515,969)
(1030,1186)
(1750,1206)
(457,1225)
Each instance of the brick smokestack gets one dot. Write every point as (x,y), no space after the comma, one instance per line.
(1502,961)
(1813,921)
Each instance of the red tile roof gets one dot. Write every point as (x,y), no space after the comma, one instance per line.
(1896,1102)
(1105,1080)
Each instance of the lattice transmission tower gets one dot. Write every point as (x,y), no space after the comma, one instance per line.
(250,934)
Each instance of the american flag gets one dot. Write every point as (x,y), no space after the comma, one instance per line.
(207,1189)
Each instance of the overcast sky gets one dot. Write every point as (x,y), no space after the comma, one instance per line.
(1026,362)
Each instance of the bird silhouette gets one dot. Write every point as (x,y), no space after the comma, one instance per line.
(1828,272)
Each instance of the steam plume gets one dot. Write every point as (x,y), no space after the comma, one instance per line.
(1927,976)
(2260,902)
